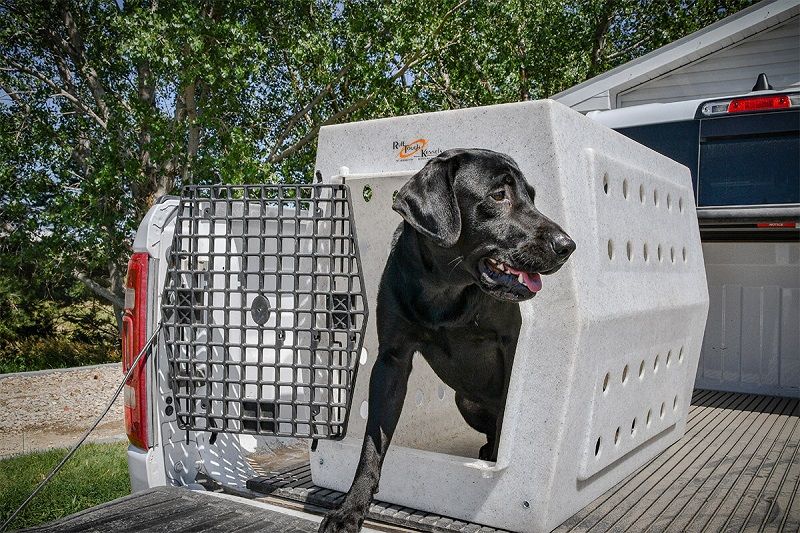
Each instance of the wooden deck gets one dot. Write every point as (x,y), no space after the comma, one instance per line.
(173,510)
(737,468)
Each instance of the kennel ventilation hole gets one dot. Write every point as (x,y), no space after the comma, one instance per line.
(605,382)
(610,249)
(625,375)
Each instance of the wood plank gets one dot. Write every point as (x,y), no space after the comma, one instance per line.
(712,499)
(736,468)
(174,510)
(629,515)
(713,465)
(615,499)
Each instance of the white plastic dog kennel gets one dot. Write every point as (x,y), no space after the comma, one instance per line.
(608,350)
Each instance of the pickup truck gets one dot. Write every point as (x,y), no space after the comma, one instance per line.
(743,155)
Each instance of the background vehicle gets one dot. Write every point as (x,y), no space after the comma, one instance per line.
(744,154)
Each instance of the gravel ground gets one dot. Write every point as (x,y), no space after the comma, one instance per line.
(52,409)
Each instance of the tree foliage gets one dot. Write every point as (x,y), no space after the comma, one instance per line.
(106,105)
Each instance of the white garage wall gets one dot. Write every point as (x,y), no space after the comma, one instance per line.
(732,70)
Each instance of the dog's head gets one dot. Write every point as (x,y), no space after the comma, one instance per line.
(477,204)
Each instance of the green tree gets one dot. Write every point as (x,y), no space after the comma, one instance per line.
(110,105)
(106,105)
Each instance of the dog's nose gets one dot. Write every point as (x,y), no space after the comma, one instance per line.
(562,245)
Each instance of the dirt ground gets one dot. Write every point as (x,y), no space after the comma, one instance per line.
(53,409)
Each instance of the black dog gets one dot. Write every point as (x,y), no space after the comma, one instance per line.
(471,247)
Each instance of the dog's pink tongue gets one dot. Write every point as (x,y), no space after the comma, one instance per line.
(532,281)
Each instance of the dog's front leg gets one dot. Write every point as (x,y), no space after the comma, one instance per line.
(387,390)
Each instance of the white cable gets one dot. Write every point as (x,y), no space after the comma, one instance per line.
(78,444)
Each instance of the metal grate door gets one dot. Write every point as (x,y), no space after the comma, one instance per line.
(264,309)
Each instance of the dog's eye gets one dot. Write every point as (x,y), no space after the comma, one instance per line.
(498,196)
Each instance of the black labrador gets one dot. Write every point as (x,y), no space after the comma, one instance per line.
(472,245)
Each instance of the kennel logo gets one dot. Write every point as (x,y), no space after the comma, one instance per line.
(416,149)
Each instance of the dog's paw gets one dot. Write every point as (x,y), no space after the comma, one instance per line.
(341,521)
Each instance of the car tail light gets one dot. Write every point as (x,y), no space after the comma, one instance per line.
(748,104)
(758,103)
(134,336)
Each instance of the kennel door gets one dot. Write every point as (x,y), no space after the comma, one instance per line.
(264,309)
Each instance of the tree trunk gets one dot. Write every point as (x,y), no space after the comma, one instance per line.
(600,33)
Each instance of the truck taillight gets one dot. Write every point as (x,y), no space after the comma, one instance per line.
(748,104)
(758,103)
(134,336)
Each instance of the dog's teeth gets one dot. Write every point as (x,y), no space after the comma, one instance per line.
(503,267)
(519,278)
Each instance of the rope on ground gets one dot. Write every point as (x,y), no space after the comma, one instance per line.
(80,442)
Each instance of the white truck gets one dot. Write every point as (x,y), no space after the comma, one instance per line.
(743,155)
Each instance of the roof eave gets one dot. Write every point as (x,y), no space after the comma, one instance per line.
(722,33)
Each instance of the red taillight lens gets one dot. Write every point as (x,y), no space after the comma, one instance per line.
(134,336)
(759,103)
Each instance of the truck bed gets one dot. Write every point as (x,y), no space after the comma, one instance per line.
(737,468)
(176,509)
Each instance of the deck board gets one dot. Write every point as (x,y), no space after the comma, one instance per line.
(176,510)
(737,468)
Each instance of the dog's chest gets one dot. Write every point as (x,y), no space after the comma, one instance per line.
(471,360)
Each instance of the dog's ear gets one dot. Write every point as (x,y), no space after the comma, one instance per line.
(428,202)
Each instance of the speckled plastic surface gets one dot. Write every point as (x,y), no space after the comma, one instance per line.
(608,349)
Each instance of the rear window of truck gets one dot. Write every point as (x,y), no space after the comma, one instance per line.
(734,160)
